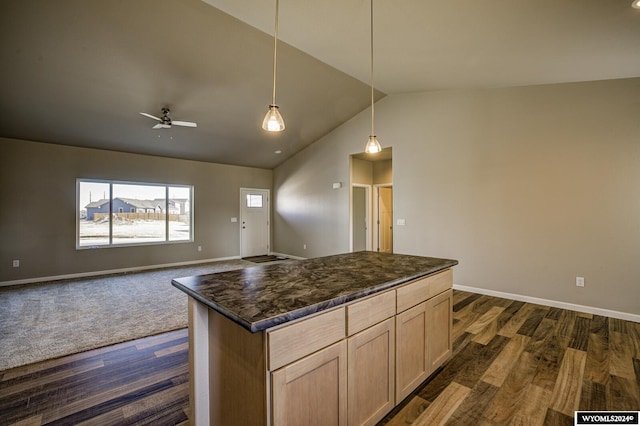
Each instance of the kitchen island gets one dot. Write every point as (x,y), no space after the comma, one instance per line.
(333,340)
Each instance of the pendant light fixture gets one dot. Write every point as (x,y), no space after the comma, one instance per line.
(372,146)
(273,121)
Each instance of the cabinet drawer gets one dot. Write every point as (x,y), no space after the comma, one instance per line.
(295,341)
(364,314)
(423,289)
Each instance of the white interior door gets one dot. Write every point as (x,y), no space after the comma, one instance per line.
(254,222)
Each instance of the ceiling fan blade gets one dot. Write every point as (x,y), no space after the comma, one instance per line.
(161,126)
(150,116)
(184,123)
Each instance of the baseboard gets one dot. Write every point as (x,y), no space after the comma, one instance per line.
(553,303)
(289,256)
(113,271)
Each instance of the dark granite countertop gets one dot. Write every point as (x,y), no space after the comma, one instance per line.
(267,295)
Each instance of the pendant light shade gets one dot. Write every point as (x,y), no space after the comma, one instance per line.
(273,121)
(372,146)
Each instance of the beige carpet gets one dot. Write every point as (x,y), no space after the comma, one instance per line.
(49,320)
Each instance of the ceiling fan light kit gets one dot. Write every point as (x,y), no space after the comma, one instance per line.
(273,121)
(165,122)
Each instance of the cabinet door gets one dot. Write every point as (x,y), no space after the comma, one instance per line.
(313,390)
(412,358)
(371,365)
(439,320)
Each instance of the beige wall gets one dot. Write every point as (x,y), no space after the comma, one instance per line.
(37,218)
(527,187)
(366,172)
(382,172)
(361,171)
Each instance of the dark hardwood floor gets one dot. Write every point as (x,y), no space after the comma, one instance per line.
(141,382)
(513,363)
(519,363)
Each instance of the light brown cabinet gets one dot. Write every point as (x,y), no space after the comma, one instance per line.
(440,317)
(423,330)
(313,390)
(351,382)
(370,372)
(412,356)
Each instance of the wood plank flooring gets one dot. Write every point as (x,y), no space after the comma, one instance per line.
(141,382)
(513,363)
(518,363)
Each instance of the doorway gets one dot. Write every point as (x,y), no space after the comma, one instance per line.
(384,209)
(371,201)
(254,222)
(360,217)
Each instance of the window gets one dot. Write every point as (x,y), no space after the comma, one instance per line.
(254,200)
(112,213)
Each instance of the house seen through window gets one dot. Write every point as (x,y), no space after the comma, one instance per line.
(113,213)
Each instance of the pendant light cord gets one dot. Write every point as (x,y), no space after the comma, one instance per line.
(275,55)
(372,111)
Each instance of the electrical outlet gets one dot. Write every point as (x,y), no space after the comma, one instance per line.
(304,247)
(579,281)
(199,248)
(16,263)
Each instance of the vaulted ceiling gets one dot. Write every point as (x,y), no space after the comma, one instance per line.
(78,72)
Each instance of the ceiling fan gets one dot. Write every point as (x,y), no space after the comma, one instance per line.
(166,122)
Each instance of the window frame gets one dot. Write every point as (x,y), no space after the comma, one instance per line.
(249,202)
(111,183)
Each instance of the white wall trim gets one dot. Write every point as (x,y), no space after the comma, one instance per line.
(553,303)
(113,271)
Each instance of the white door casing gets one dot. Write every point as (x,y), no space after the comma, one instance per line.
(254,222)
